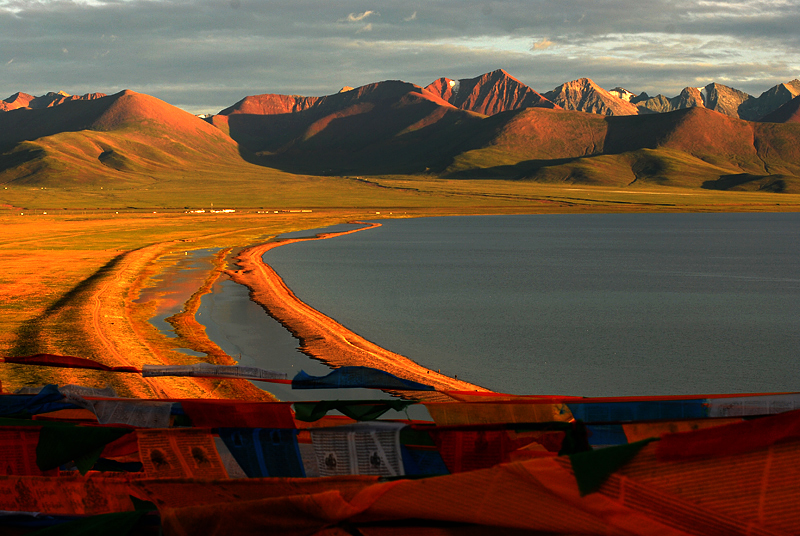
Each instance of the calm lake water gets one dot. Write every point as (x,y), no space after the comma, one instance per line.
(595,305)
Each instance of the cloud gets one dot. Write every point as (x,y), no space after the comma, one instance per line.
(204,55)
(352,17)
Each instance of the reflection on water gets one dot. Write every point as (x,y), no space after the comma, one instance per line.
(243,330)
(183,273)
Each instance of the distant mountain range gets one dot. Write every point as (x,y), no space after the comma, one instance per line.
(23,100)
(488,127)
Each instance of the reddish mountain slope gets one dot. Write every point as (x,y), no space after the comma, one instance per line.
(126,109)
(488,94)
(270,104)
(121,138)
(586,96)
(395,127)
(553,135)
(17,100)
(350,126)
(691,148)
(788,113)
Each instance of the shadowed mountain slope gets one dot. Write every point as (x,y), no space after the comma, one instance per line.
(770,100)
(381,127)
(690,148)
(270,104)
(488,94)
(788,113)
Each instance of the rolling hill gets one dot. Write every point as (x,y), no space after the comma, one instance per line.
(693,147)
(116,139)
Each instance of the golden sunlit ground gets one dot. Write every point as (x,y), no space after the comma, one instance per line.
(69,278)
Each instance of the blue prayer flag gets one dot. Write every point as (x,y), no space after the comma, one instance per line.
(263,452)
(350,377)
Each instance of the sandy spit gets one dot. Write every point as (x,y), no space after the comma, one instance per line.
(322,337)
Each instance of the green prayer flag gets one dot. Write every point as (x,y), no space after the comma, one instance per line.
(592,468)
(83,444)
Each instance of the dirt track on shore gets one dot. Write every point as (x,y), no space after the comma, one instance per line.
(322,337)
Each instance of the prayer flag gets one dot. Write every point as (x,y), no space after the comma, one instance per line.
(349,377)
(730,439)
(238,414)
(359,449)
(592,468)
(58,445)
(46,400)
(18,450)
(180,453)
(208,370)
(517,411)
(424,461)
(646,410)
(359,410)
(132,412)
(264,452)
(72,495)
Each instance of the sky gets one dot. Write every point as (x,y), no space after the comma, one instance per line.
(205,55)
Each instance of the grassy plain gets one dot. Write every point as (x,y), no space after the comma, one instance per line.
(69,278)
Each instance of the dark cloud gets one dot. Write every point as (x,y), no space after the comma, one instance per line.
(204,55)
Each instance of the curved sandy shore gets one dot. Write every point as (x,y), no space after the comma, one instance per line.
(322,337)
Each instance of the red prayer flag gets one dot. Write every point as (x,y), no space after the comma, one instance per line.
(730,439)
(237,414)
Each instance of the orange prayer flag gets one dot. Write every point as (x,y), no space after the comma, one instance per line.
(516,411)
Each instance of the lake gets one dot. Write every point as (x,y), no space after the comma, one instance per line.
(594,305)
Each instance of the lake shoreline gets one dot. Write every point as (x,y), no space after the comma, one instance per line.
(322,337)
